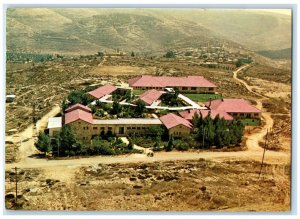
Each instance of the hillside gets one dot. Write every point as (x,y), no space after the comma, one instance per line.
(53,30)
(277,54)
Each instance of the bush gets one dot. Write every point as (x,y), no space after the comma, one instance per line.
(181,145)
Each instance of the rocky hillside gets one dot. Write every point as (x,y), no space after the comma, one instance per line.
(53,30)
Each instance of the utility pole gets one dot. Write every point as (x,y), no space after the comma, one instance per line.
(16,198)
(262,161)
(58,143)
(203,136)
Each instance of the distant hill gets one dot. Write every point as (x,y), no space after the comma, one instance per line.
(54,30)
(277,54)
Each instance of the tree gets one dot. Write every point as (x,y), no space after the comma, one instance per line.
(68,141)
(170,54)
(155,132)
(239,63)
(128,96)
(130,145)
(188,53)
(43,143)
(116,108)
(170,144)
(101,54)
(78,96)
(140,108)
(132,54)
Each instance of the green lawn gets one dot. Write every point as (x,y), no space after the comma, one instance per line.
(250,122)
(138,92)
(202,97)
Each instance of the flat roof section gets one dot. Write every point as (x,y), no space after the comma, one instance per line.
(55,122)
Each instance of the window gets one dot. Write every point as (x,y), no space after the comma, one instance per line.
(95,128)
(87,128)
(128,128)
(241,114)
(211,88)
(143,127)
(102,128)
(184,88)
(138,128)
(109,128)
(234,114)
(193,88)
(133,127)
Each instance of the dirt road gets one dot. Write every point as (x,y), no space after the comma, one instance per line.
(26,138)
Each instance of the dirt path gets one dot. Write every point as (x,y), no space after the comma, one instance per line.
(26,138)
(253,140)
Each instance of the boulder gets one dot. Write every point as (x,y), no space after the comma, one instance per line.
(137,186)
(10,196)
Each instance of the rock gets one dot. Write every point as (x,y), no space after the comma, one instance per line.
(12,173)
(159,177)
(132,178)
(158,198)
(25,198)
(140,176)
(138,193)
(246,183)
(27,190)
(83,184)
(203,188)
(10,196)
(50,182)
(142,166)
(137,186)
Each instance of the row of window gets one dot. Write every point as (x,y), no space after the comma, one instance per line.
(245,114)
(137,128)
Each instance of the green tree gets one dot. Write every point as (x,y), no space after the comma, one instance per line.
(68,141)
(170,54)
(43,143)
(155,132)
(170,144)
(130,145)
(140,108)
(239,63)
(188,53)
(116,108)
(132,54)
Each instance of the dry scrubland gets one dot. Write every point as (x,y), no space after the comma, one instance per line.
(181,185)
(198,185)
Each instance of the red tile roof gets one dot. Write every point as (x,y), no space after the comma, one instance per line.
(78,106)
(150,96)
(171,120)
(189,114)
(164,81)
(232,106)
(78,114)
(102,91)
